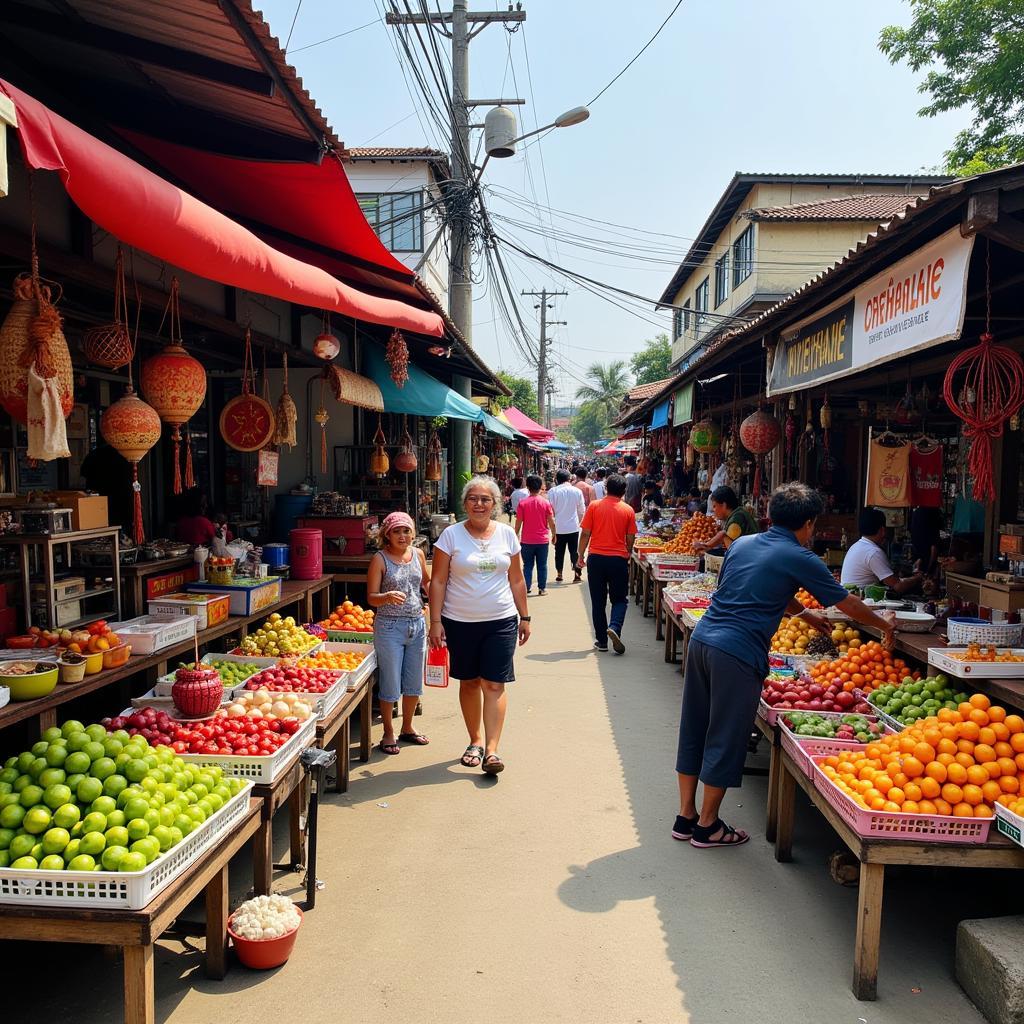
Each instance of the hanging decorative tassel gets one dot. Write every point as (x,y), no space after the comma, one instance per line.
(322,417)
(190,476)
(287,415)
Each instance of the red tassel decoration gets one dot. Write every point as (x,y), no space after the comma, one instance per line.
(138,534)
(190,476)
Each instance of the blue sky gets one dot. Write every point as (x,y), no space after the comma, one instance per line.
(733,85)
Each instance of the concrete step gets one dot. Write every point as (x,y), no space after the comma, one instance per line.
(990,966)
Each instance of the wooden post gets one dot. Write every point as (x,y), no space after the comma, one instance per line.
(139,990)
(869,926)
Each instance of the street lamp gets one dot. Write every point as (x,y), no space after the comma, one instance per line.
(500,129)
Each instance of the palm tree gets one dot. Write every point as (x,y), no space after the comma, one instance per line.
(606,388)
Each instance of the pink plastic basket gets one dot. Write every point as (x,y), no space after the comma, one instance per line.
(928,828)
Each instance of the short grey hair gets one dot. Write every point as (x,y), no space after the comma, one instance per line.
(483,481)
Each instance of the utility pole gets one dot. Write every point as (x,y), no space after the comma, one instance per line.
(542,356)
(456,25)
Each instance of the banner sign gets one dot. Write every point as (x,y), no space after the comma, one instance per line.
(917,303)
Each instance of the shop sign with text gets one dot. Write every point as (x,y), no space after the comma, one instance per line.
(917,303)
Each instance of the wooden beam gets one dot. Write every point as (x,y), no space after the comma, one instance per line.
(146,51)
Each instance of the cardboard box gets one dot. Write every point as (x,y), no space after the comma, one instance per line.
(88,511)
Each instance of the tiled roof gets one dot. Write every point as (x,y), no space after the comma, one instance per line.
(870,207)
(396,152)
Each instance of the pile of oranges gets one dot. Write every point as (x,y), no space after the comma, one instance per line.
(350,617)
(959,763)
(347,661)
(865,667)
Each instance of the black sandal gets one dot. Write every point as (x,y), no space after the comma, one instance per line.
(729,837)
(683,828)
(473,756)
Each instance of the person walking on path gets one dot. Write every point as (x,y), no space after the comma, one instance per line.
(735,519)
(535,523)
(727,657)
(599,475)
(476,590)
(518,493)
(609,529)
(569,506)
(395,581)
(580,472)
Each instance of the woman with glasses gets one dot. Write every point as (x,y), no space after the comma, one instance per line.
(478,609)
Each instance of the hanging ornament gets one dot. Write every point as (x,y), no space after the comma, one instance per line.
(325,345)
(706,436)
(287,415)
(173,382)
(397,355)
(247,421)
(433,471)
(110,345)
(405,460)
(132,427)
(379,461)
(322,416)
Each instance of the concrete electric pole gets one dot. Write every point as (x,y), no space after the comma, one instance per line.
(456,24)
(543,389)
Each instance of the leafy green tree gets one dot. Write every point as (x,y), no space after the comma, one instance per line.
(651,362)
(524,394)
(590,424)
(605,386)
(973,55)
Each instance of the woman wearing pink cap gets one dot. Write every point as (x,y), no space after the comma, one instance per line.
(395,582)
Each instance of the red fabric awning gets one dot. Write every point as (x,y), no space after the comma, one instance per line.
(143,210)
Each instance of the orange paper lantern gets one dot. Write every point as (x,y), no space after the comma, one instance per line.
(174,383)
(132,427)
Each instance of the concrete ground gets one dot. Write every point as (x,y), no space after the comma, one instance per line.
(554,893)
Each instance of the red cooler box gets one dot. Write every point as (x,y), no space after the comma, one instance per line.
(307,554)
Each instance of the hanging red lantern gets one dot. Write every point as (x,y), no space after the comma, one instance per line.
(706,436)
(132,427)
(760,432)
(174,383)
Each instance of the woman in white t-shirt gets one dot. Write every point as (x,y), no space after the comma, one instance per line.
(478,609)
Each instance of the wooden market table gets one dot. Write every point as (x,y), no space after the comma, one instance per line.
(136,931)
(44,709)
(874,855)
(135,576)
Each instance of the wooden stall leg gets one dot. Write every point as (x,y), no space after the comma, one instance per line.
(263,856)
(139,990)
(786,810)
(296,806)
(217,925)
(774,771)
(869,927)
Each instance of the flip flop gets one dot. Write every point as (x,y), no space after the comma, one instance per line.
(413,737)
(473,755)
(390,748)
(492,764)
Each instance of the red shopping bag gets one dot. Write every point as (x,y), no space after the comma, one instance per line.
(436,671)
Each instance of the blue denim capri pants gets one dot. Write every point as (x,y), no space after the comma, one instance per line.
(401,646)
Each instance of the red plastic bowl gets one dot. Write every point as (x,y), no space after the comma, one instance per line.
(264,954)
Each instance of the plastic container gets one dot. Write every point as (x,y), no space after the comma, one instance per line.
(307,554)
(264,954)
(93,662)
(963,631)
(117,656)
(72,673)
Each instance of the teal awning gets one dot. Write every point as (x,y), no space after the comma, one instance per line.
(495,426)
(422,395)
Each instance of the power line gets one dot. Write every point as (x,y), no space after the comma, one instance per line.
(638,55)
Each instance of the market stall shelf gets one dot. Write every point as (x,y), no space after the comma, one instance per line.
(137,931)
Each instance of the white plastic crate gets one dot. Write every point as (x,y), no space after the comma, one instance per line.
(263,771)
(121,890)
(151,633)
(939,657)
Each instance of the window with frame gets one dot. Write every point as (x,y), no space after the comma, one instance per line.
(397,217)
(700,303)
(721,279)
(743,257)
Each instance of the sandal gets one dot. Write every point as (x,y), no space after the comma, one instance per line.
(493,764)
(390,748)
(473,756)
(729,837)
(683,828)
(413,737)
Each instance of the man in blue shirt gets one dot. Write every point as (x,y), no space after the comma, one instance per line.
(727,658)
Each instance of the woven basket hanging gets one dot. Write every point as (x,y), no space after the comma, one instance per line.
(110,345)
(247,421)
(287,415)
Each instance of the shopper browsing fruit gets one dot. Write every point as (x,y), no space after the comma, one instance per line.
(727,658)
(395,582)
(476,590)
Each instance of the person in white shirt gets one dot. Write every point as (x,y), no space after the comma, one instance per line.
(599,489)
(519,492)
(567,501)
(865,564)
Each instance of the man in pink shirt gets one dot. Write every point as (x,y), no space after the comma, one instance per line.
(583,486)
(535,523)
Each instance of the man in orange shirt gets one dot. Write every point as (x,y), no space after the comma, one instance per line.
(608,530)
